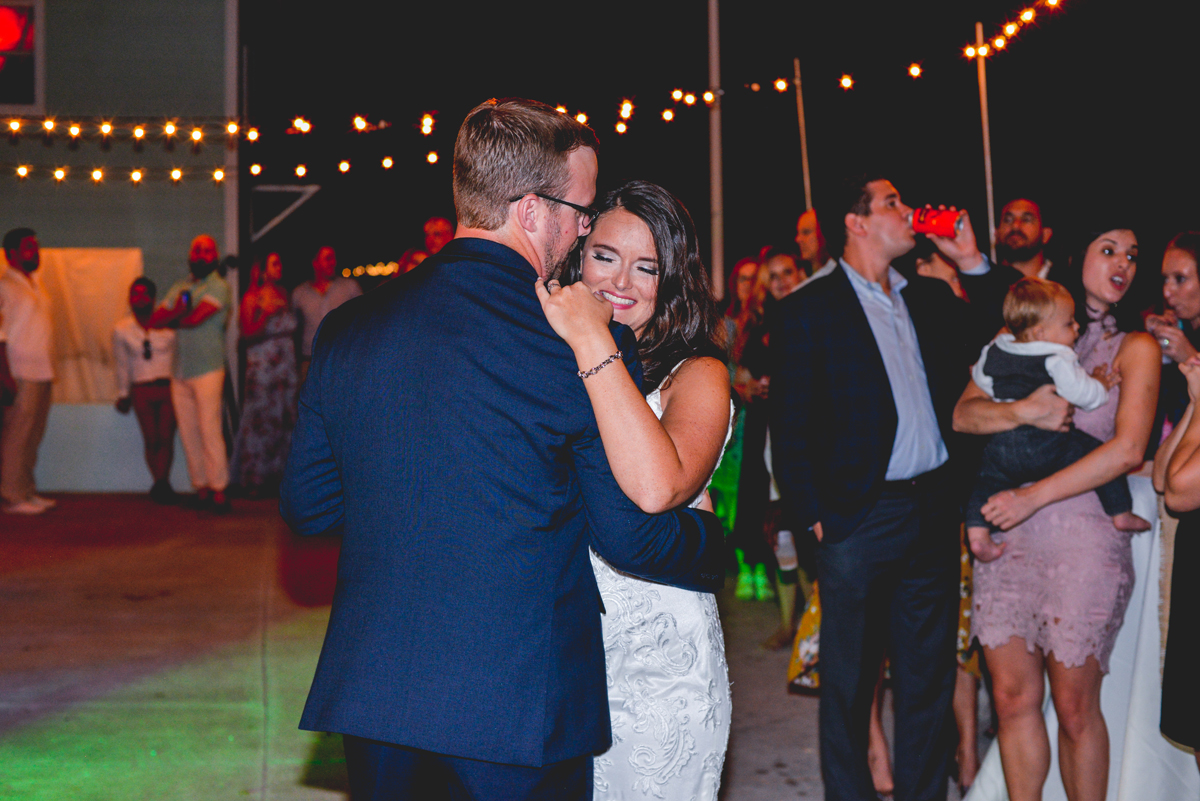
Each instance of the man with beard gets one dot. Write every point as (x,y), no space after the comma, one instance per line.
(198,307)
(1020,241)
(145,359)
(26,372)
(445,431)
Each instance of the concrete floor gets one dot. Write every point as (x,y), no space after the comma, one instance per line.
(155,653)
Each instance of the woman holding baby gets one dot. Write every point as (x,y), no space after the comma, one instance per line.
(1053,597)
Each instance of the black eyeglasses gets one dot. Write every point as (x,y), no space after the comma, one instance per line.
(587,211)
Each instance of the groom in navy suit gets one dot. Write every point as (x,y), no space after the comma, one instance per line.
(867,367)
(445,432)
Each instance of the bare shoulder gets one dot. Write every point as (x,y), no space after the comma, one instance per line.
(1139,348)
(704,379)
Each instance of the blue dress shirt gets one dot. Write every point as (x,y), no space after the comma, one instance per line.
(918,447)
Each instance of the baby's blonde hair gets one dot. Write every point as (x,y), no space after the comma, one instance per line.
(1028,302)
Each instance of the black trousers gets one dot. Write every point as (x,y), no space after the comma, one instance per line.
(1026,453)
(385,772)
(891,584)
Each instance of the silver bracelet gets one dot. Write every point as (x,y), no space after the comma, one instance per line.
(600,366)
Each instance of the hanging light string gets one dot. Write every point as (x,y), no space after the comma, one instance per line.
(197,129)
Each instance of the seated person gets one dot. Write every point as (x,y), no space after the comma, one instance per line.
(1040,316)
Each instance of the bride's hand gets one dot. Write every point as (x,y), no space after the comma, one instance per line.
(573,311)
(1011,507)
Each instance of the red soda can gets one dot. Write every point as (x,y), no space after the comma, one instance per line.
(939,222)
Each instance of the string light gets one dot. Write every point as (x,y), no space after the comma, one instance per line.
(1010,29)
(983,50)
(1051,3)
(709,97)
(427,122)
(969,51)
(73,130)
(97,175)
(252,134)
(846,82)
(22,171)
(14,126)
(139,132)
(106,128)
(581,118)
(1027,15)
(561,109)
(48,125)
(668,115)
(218,175)
(914,70)
(255,169)
(626,109)
(387,162)
(360,123)
(677,94)
(169,129)
(302,125)
(176,174)
(689,99)
(432,157)
(622,127)
(135,176)
(999,42)
(197,134)
(60,174)
(301,170)
(232,128)
(780,85)
(344,166)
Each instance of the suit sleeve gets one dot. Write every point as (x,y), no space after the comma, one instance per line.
(683,548)
(310,496)
(790,407)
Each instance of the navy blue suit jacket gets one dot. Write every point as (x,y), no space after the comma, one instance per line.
(444,432)
(833,420)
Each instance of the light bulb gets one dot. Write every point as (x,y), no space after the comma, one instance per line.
(914,70)
(344,166)
(255,169)
(252,134)
(232,128)
(709,97)
(689,99)
(218,174)
(73,130)
(135,176)
(97,175)
(581,118)
(301,170)
(14,126)
(622,127)
(780,85)
(139,132)
(387,162)
(432,157)
(360,123)
(169,129)
(48,125)
(59,174)
(668,115)
(197,134)
(176,174)
(677,94)
(846,82)
(22,171)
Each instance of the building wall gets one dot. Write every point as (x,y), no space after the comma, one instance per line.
(150,60)
(145,59)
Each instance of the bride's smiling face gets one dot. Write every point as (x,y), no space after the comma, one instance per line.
(620,265)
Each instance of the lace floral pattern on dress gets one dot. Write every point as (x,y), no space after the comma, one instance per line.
(668,687)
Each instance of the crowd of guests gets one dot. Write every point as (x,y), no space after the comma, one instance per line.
(863,469)
(169,358)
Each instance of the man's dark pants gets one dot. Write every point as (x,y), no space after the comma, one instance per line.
(891,584)
(384,772)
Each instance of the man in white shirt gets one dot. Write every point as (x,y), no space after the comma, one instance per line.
(314,299)
(26,331)
(145,360)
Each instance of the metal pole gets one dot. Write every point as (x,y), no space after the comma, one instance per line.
(808,204)
(987,138)
(717,201)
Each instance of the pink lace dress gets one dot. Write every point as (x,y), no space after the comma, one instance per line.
(1067,576)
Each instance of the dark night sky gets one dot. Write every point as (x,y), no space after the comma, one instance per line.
(1088,107)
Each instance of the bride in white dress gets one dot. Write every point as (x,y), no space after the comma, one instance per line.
(668,685)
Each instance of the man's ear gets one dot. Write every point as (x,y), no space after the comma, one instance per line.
(854,224)
(1046,234)
(527,213)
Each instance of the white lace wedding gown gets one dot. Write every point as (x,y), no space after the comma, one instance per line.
(668,686)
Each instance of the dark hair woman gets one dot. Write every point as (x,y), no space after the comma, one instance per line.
(1053,602)
(640,266)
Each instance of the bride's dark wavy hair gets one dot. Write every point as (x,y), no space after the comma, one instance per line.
(685,321)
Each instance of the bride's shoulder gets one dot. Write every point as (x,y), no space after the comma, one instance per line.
(698,376)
